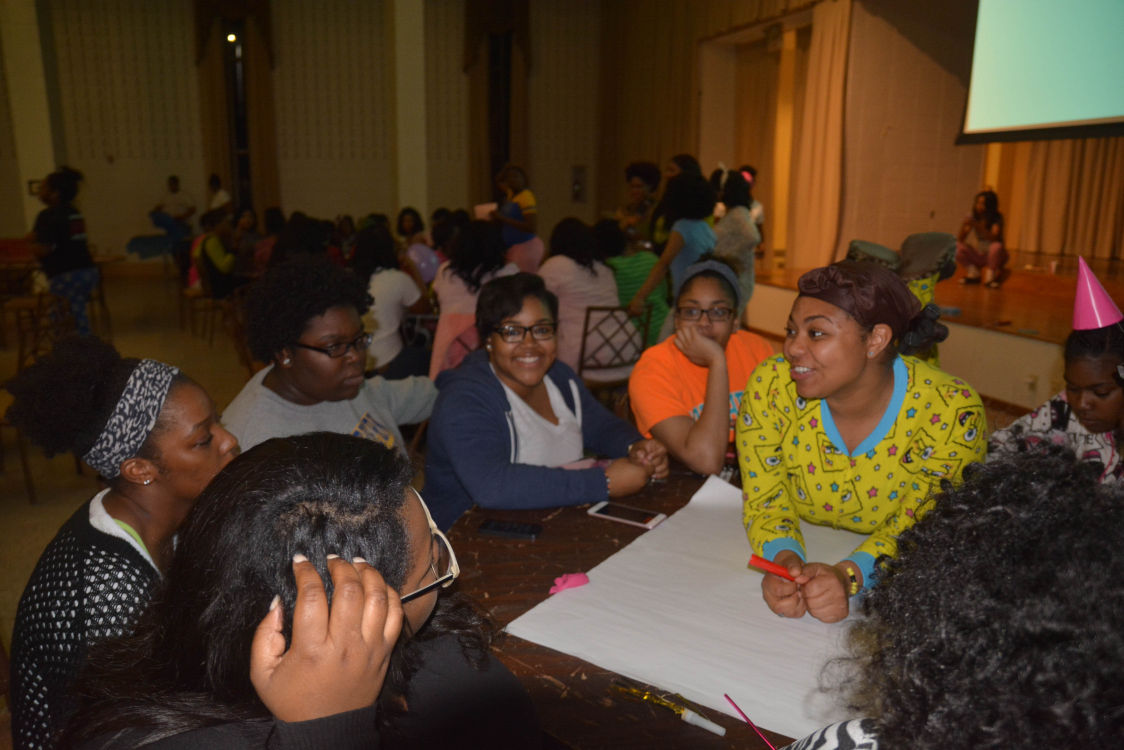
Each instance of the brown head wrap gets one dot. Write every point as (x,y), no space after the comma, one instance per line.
(868,292)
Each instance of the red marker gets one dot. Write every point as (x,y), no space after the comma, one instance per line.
(769,567)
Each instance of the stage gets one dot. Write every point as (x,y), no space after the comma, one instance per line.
(1007,342)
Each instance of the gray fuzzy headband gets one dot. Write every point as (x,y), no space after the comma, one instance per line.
(133,417)
(720,268)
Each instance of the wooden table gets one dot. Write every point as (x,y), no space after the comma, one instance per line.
(507,577)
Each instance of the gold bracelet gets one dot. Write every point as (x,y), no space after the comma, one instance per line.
(854,589)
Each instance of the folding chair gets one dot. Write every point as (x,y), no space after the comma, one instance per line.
(611,345)
(41,320)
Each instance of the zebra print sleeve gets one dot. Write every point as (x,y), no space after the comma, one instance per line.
(856,734)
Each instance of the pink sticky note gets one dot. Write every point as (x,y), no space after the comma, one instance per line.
(569,581)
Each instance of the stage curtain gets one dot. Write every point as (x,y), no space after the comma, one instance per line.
(757,117)
(1072,199)
(214,108)
(483,18)
(819,160)
(261,121)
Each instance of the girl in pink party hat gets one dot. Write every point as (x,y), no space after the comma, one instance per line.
(1088,416)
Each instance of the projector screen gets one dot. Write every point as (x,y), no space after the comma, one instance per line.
(1046,69)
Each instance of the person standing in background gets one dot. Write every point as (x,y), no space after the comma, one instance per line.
(659,226)
(518,220)
(689,203)
(737,235)
(643,180)
(59,242)
(756,210)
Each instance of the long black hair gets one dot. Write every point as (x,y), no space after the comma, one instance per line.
(574,239)
(478,251)
(991,208)
(687,197)
(374,251)
(688,166)
(187,664)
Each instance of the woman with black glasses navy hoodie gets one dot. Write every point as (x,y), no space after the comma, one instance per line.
(512,425)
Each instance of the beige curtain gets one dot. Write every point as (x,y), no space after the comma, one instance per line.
(1072,200)
(261,121)
(214,108)
(757,114)
(819,161)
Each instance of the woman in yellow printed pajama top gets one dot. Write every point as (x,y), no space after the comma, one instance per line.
(845,431)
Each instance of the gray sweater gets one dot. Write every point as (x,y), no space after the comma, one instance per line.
(258,414)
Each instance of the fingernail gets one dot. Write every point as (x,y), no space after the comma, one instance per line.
(358,561)
(297,558)
(333,557)
(276,600)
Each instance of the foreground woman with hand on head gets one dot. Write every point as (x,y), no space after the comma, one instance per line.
(843,430)
(153,436)
(512,423)
(215,663)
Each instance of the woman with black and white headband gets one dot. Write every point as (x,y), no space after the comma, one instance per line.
(154,437)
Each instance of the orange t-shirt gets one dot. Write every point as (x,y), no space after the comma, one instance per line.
(666,384)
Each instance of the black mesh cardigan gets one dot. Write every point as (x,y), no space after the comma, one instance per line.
(86,587)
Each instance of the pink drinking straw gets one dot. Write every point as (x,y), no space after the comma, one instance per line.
(747,721)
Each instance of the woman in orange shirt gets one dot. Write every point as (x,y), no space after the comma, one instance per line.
(686,390)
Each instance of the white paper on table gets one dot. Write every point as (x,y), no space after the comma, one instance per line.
(678,609)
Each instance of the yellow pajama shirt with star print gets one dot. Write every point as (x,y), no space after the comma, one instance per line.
(795,467)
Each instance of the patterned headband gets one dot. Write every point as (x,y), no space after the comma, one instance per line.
(133,417)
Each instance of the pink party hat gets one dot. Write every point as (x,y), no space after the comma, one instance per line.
(1092,307)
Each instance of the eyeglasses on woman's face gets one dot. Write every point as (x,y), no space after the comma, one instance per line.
(443,561)
(513,334)
(715,314)
(335,351)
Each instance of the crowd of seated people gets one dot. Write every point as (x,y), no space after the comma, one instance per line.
(204,581)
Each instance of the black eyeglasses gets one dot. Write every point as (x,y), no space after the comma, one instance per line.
(335,351)
(716,314)
(443,566)
(513,334)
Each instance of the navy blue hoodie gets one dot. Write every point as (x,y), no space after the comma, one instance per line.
(471,443)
